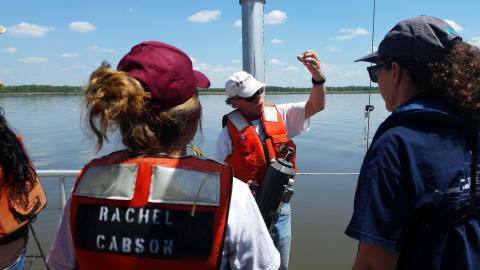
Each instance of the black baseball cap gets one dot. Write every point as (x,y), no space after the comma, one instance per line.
(424,39)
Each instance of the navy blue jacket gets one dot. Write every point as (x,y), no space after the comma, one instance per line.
(413,190)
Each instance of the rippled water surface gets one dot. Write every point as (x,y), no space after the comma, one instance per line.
(52,130)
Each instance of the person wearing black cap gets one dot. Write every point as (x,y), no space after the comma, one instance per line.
(152,206)
(416,204)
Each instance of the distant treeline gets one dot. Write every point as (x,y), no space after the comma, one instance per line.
(24,89)
(40,89)
(330,89)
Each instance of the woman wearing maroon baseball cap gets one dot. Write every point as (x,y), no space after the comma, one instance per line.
(151,205)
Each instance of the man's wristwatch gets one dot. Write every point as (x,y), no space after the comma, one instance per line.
(320,82)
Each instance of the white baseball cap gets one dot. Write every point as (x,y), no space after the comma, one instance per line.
(242,84)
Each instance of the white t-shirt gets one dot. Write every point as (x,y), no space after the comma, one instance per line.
(293,115)
(248,244)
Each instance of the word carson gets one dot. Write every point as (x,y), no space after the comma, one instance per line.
(132,231)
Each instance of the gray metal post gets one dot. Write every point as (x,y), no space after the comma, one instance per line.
(61,182)
(252,38)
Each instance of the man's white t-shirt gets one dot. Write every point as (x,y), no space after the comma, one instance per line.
(247,245)
(293,115)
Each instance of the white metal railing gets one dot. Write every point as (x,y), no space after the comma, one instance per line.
(62,174)
(327,173)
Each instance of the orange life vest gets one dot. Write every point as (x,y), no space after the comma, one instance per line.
(13,215)
(136,213)
(250,157)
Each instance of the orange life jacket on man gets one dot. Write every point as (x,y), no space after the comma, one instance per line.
(150,213)
(13,215)
(250,157)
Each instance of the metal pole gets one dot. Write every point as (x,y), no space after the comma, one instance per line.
(38,245)
(61,183)
(252,38)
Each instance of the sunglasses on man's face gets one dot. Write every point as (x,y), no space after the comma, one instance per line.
(253,97)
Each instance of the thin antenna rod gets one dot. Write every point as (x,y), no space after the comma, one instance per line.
(369,108)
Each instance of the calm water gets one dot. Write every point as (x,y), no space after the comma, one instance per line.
(53,133)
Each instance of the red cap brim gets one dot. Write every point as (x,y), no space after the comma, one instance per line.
(202,80)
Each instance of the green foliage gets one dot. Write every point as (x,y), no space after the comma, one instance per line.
(287,90)
(33,89)
(41,89)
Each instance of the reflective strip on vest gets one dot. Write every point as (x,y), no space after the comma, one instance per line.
(238,120)
(270,113)
(182,186)
(109,182)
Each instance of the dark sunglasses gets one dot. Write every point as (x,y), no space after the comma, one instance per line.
(373,72)
(253,97)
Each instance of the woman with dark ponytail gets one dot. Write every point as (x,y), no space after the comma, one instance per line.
(21,197)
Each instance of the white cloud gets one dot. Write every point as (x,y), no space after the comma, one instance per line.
(455,26)
(275,17)
(72,68)
(333,49)
(6,70)
(205,16)
(276,62)
(9,50)
(33,59)
(24,29)
(298,76)
(214,68)
(340,72)
(82,26)
(70,55)
(97,48)
(236,61)
(217,73)
(276,41)
(475,41)
(292,69)
(352,33)
(237,24)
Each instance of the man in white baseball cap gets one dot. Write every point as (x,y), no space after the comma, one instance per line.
(255,134)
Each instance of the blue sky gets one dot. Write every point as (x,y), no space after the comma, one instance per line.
(61,42)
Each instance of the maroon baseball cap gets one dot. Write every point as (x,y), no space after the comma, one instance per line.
(165,70)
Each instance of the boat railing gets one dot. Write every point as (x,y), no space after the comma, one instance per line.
(61,175)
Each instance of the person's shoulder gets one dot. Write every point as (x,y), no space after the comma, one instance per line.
(114,157)
(292,106)
(223,136)
(240,189)
(409,133)
(389,138)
